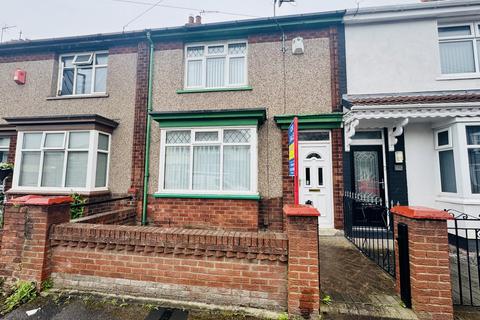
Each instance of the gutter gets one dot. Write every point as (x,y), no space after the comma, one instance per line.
(147,133)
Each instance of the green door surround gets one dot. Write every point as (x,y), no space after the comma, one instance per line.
(311,121)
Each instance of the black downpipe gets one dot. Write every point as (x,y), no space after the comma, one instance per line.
(404,265)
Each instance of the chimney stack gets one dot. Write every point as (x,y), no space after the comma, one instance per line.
(198,19)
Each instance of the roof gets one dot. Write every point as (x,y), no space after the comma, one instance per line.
(62,119)
(218,29)
(412,98)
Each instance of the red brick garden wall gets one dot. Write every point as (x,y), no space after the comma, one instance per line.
(239,215)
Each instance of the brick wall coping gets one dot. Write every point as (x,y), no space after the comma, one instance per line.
(152,240)
(110,217)
(421,213)
(38,200)
(300,210)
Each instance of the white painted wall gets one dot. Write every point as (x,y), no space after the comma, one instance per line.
(421,173)
(398,56)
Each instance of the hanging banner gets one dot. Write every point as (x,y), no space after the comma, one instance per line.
(293,154)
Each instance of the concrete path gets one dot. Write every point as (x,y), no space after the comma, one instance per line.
(359,289)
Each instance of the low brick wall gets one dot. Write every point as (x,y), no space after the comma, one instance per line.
(1,236)
(241,268)
(225,214)
(126,216)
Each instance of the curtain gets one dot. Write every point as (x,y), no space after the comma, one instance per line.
(100,80)
(237,70)
(457,57)
(84,81)
(236,168)
(215,72)
(177,168)
(52,171)
(194,73)
(77,169)
(206,168)
(29,169)
(101,174)
(474,165)
(447,171)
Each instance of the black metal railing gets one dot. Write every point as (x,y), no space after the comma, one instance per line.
(464,240)
(2,206)
(369,226)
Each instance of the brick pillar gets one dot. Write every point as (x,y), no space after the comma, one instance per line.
(25,243)
(429,260)
(303,261)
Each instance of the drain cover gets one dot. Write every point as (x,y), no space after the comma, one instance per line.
(167,314)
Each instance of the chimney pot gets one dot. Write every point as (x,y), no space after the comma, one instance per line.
(190,20)
(198,20)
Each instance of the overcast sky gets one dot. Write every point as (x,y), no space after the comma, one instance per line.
(56,18)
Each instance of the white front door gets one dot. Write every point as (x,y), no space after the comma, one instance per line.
(315,179)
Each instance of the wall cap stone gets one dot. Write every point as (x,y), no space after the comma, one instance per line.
(421,213)
(300,210)
(38,200)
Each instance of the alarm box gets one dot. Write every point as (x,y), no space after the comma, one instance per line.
(20,76)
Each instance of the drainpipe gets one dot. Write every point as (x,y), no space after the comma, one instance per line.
(147,133)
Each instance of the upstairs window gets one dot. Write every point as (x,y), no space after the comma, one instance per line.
(219,65)
(459,46)
(83,73)
(62,160)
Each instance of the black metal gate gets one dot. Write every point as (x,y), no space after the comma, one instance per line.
(464,240)
(369,226)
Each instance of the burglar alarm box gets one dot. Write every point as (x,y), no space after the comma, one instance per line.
(20,76)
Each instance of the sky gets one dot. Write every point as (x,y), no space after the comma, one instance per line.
(37,19)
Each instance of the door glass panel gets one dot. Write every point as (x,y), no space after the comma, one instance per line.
(307,176)
(320,176)
(314,136)
(367,175)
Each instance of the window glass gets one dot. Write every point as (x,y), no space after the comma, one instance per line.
(206,168)
(367,135)
(76,175)
(457,57)
(100,80)
(447,171)
(454,31)
(54,140)
(102,142)
(474,167)
(313,136)
(84,81)
(177,168)
(236,168)
(174,137)
(307,176)
(4,142)
(442,138)
(194,77)
(216,49)
(67,82)
(101,58)
(236,136)
(3,157)
(52,172)
(79,140)
(473,135)
(237,48)
(193,52)
(101,175)
(68,62)
(320,176)
(215,72)
(237,70)
(32,140)
(29,169)
(83,59)
(206,136)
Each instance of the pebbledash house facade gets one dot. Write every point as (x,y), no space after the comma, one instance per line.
(412,116)
(192,121)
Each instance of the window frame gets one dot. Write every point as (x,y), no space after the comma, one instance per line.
(467,161)
(447,147)
(190,191)
(75,68)
(204,58)
(5,149)
(92,151)
(474,38)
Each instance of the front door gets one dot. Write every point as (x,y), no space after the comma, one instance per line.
(368,184)
(315,179)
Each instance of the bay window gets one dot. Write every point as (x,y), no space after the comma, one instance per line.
(217,65)
(459,46)
(473,147)
(62,160)
(209,160)
(83,74)
(444,146)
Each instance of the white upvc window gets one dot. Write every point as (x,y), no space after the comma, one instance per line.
(446,160)
(216,65)
(82,73)
(459,48)
(62,161)
(473,149)
(209,160)
(4,146)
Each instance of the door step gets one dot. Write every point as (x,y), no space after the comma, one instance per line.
(328,232)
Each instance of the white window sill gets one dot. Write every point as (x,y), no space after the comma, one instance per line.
(199,195)
(80,96)
(458,200)
(462,76)
(58,192)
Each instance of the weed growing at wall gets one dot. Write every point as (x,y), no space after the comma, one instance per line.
(23,292)
(77,209)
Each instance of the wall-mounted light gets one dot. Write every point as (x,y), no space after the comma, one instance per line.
(399,157)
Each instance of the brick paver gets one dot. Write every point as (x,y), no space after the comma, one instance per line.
(358,287)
